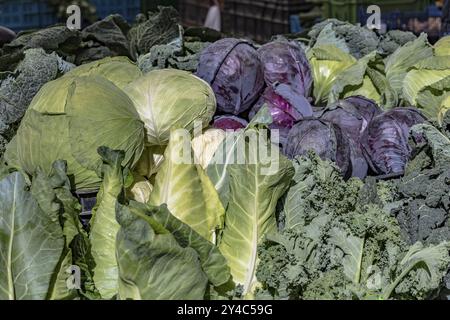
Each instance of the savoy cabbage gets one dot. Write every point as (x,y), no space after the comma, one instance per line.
(19,87)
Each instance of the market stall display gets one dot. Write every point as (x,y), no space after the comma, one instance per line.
(224,169)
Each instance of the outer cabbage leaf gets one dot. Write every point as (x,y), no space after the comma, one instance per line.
(255,187)
(27,269)
(103,225)
(227,154)
(442,47)
(38,224)
(365,78)
(432,100)
(108,109)
(162,258)
(171,99)
(328,37)
(402,60)
(424,74)
(327,62)
(119,70)
(186,189)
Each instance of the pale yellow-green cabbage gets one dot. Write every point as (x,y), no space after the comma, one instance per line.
(119,70)
(171,99)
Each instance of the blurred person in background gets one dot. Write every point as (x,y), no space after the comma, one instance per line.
(213,19)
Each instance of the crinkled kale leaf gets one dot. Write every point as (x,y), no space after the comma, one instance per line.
(340,243)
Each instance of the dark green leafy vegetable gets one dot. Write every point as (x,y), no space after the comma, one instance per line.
(358,41)
(339,245)
(393,40)
(18,88)
(160,28)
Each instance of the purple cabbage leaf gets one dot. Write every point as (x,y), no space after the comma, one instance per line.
(322,137)
(285,62)
(352,116)
(232,68)
(385,140)
(229,122)
(285,106)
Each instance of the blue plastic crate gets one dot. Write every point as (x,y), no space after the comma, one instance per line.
(27,14)
(400,19)
(127,8)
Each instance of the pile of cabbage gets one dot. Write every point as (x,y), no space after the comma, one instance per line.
(322,207)
(321,97)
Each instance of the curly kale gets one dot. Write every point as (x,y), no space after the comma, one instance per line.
(360,41)
(423,196)
(340,243)
(421,199)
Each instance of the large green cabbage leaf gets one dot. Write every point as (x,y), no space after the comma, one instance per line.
(426,85)
(403,59)
(365,78)
(327,62)
(160,257)
(186,189)
(432,100)
(104,226)
(38,225)
(442,47)
(255,186)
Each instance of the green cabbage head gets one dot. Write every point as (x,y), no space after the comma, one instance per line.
(427,87)
(327,62)
(68,120)
(442,47)
(119,70)
(171,99)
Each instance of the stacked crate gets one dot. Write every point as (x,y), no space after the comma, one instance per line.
(260,20)
(31,14)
